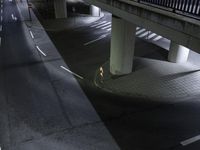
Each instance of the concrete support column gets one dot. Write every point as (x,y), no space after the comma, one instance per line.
(122,46)
(178,53)
(95,11)
(60,8)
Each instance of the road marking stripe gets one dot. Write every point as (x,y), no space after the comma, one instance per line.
(151,35)
(31,33)
(106,27)
(144,34)
(190,140)
(2,11)
(140,31)
(12,16)
(157,38)
(99,38)
(40,51)
(1,18)
(109,29)
(98,24)
(103,25)
(0,45)
(0,28)
(71,72)
(137,28)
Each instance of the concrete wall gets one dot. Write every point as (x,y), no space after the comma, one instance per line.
(181,29)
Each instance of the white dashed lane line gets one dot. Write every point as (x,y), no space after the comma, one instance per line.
(38,48)
(99,38)
(31,33)
(71,72)
(1,28)
(190,140)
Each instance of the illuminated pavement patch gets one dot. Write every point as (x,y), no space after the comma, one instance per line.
(155,79)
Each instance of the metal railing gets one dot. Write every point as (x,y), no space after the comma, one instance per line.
(191,7)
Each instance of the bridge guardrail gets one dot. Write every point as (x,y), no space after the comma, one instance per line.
(188,7)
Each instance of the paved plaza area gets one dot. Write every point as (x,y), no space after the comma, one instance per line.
(154,79)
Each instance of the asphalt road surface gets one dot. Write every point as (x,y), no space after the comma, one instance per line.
(135,123)
(46,109)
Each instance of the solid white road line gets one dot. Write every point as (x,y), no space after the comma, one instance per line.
(190,140)
(140,31)
(106,27)
(31,33)
(71,72)
(99,38)
(103,25)
(40,51)
(157,38)
(98,24)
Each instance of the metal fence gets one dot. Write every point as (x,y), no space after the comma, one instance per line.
(187,6)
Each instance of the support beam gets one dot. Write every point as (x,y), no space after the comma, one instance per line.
(95,11)
(122,46)
(60,8)
(178,53)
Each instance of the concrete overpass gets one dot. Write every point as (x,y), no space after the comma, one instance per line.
(183,31)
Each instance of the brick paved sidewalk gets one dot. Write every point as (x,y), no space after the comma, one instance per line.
(154,79)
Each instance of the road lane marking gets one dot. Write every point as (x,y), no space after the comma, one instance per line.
(99,38)
(190,140)
(144,34)
(2,11)
(140,31)
(13,17)
(103,25)
(137,28)
(31,33)
(109,29)
(71,72)
(1,18)
(157,38)
(40,51)
(151,36)
(106,27)
(0,45)
(0,28)
(98,24)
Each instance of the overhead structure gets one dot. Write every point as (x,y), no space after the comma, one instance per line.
(60,7)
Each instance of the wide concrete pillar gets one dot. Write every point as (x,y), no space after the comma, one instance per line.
(95,11)
(178,53)
(60,8)
(122,46)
